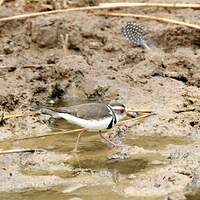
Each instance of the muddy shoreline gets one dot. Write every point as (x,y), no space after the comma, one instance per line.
(98,64)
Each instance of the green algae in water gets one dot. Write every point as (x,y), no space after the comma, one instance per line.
(193,196)
(60,173)
(104,193)
(93,153)
(124,167)
(128,166)
(33,195)
(155,142)
(90,193)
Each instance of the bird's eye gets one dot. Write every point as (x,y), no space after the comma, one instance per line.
(122,111)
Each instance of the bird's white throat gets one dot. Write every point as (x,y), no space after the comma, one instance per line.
(120,117)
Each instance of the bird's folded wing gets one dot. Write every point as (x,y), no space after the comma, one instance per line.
(86,111)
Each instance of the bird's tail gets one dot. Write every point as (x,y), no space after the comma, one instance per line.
(49,111)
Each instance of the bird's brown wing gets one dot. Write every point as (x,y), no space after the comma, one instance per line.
(86,111)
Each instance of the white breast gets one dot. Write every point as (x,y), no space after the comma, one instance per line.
(88,124)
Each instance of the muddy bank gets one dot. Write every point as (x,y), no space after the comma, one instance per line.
(159,172)
(100,66)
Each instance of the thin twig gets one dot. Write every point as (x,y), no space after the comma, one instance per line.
(160,19)
(87,8)
(65,44)
(4,67)
(161,5)
(20,151)
(138,110)
(184,110)
(79,130)
(24,16)
(48,134)
(1,2)
(23,114)
(136,119)
(29,113)
(28,66)
(37,65)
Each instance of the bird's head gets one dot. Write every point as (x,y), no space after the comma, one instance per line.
(120,111)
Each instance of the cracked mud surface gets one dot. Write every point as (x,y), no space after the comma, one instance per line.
(100,65)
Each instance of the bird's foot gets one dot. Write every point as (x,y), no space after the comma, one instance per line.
(75,151)
(115,145)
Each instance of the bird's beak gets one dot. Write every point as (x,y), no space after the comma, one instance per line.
(130,115)
(132,112)
(138,111)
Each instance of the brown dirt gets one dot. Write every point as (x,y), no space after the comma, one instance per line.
(101,66)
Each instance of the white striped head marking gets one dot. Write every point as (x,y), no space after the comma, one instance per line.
(118,109)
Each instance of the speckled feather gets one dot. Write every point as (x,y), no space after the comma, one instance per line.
(134,33)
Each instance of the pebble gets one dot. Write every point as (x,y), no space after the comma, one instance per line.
(8,49)
(75,198)
(72,187)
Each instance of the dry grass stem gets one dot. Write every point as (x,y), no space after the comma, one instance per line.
(160,19)
(38,65)
(48,134)
(65,44)
(107,6)
(28,66)
(139,110)
(29,15)
(185,110)
(161,5)
(136,119)
(81,129)
(1,2)
(20,151)
(23,114)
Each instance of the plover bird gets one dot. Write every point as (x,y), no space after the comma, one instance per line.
(134,33)
(91,116)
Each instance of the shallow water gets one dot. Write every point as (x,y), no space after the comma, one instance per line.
(93,155)
(157,142)
(193,195)
(89,193)
(90,141)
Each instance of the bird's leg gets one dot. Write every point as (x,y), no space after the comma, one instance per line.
(106,139)
(77,141)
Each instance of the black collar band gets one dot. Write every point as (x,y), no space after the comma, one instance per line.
(114,118)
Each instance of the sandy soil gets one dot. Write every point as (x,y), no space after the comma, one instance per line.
(100,65)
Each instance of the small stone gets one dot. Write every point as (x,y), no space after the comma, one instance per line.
(51,101)
(176,196)
(95,45)
(75,198)
(109,47)
(72,187)
(8,49)
(157,185)
(53,59)
(131,177)
(1,58)
(45,32)
(157,162)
